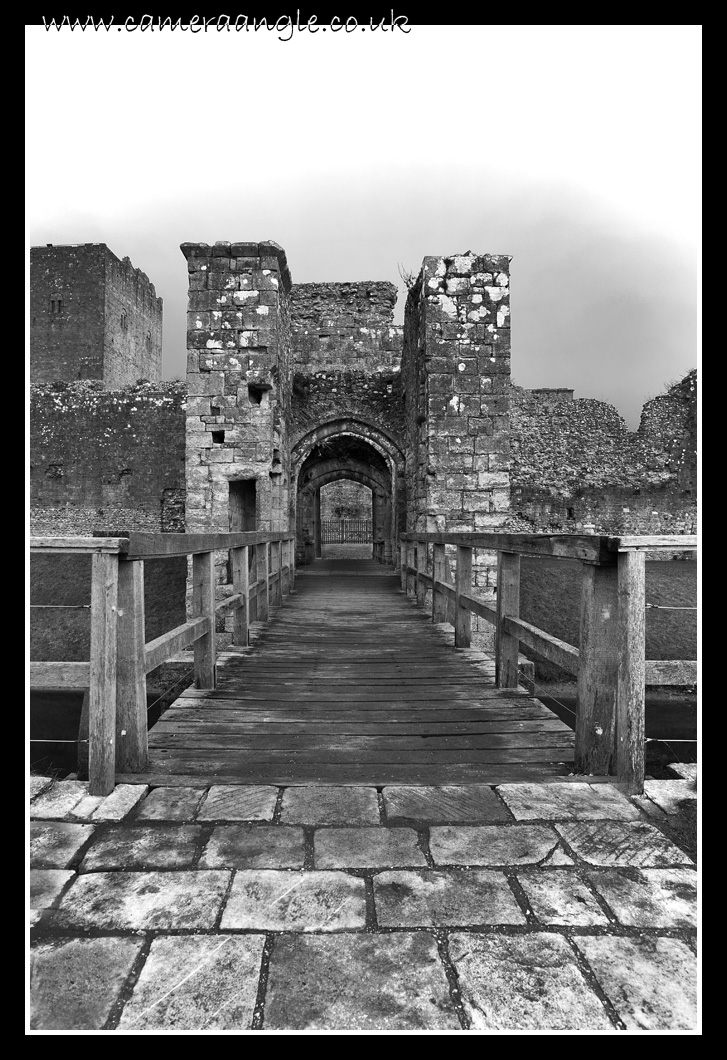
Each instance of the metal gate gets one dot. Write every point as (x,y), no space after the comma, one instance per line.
(346,532)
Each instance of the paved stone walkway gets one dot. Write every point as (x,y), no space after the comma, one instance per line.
(555,906)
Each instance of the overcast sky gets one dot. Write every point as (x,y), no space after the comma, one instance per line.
(575,149)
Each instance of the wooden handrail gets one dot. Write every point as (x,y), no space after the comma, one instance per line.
(610,665)
(120,658)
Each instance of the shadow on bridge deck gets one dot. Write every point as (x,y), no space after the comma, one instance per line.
(351,683)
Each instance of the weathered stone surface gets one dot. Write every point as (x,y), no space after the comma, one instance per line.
(120,802)
(143,901)
(491,844)
(668,794)
(622,843)
(358,982)
(650,897)
(75,982)
(251,846)
(86,808)
(54,845)
(57,801)
(526,982)
(37,785)
(266,900)
(561,897)
(651,982)
(198,983)
(46,885)
(170,804)
(330,804)
(433,898)
(360,848)
(470,803)
(687,770)
(549,802)
(238,803)
(140,847)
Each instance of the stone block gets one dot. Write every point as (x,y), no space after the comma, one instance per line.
(624,844)
(254,846)
(143,847)
(330,805)
(38,785)
(358,983)
(360,848)
(650,897)
(56,844)
(267,900)
(171,804)
(46,886)
(491,844)
(58,800)
(430,805)
(434,898)
(559,897)
(670,794)
(239,803)
(120,803)
(579,802)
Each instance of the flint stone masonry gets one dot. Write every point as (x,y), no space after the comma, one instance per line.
(196,983)
(430,898)
(358,982)
(268,900)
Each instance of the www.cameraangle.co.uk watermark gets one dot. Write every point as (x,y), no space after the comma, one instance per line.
(284,27)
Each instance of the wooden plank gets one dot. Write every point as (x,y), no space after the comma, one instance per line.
(462,585)
(203,606)
(421,570)
(653,543)
(355,745)
(671,671)
(373,776)
(162,648)
(403,564)
(278,578)
(220,760)
(102,676)
(556,651)
(144,545)
(597,672)
(507,649)
(239,558)
(229,604)
(262,556)
(57,675)
(631,643)
(131,725)
(439,575)
(212,722)
(478,607)
(91,545)
(590,547)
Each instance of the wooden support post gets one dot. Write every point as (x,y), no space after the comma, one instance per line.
(597,672)
(262,553)
(421,565)
(439,600)
(292,564)
(507,647)
(240,584)
(462,586)
(203,603)
(631,641)
(102,691)
(279,577)
(252,566)
(402,563)
(411,566)
(132,745)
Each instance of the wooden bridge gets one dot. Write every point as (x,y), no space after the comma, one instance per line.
(344,677)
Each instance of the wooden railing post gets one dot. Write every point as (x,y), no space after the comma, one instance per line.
(291,542)
(421,565)
(411,566)
(402,563)
(631,640)
(507,647)
(252,581)
(102,690)
(241,585)
(439,599)
(278,583)
(132,745)
(203,604)
(462,586)
(597,672)
(262,553)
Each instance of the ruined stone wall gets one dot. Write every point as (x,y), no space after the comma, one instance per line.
(345,325)
(345,500)
(576,466)
(92,316)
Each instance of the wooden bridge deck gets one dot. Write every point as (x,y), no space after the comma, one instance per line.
(351,683)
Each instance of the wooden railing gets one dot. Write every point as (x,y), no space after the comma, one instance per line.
(263,571)
(610,663)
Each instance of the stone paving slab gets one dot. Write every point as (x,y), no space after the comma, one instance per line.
(561,898)
(650,897)
(143,901)
(668,794)
(75,982)
(330,805)
(86,808)
(524,982)
(358,982)
(687,770)
(441,898)
(266,900)
(38,784)
(46,885)
(120,802)
(254,846)
(202,983)
(492,844)
(651,982)
(140,847)
(238,803)
(57,801)
(622,843)
(467,804)
(361,848)
(579,802)
(171,804)
(55,844)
